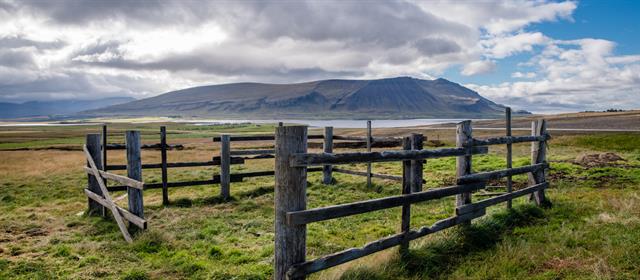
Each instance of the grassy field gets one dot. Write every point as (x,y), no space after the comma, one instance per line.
(591,232)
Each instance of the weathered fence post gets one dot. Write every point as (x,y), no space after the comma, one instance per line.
(134,171)
(538,155)
(327,177)
(417,142)
(93,145)
(369,140)
(104,147)
(163,158)
(225,165)
(463,163)
(509,153)
(290,195)
(407,181)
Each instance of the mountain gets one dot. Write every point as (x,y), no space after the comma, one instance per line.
(55,108)
(401,97)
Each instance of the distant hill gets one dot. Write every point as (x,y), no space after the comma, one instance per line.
(400,97)
(55,108)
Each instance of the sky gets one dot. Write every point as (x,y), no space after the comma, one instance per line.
(541,56)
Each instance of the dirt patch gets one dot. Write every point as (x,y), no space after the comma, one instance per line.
(598,160)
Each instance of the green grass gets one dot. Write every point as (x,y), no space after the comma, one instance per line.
(592,231)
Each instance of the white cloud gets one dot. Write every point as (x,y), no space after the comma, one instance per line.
(478,67)
(528,75)
(576,74)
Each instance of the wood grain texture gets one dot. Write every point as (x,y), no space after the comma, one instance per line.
(107,198)
(118,178)
(163,159)
(327,176)
(463,162)
(225,166)
(134,171)
(308,159)
(354,208)
(290,195)
(93,146)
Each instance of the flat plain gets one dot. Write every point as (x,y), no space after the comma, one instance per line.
(592,231)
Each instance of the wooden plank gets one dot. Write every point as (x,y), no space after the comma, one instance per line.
(308,159)
(93,146)
(290,195)
(463,162)
(362,173)
(327,176)
(509,153)
(417,142)
(467,208)
(308,267)
(163,159)
(156,146)
(492,175)
(510,140)
(137,221)
(258,137)
(134,171)
(104,147)
(214,162)
(225,166)
(369,140)
(373,139)
(118,178)
(538,155)
(354,208)
(407,180)
(251,152)
(107,198)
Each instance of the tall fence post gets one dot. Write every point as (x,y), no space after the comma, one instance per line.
(134,171)
(509,153)
(93,145)
(463,163)
(538,155)
(163,158)
(417,142)
(225,165)
(290,195)
(104,147)
(407,181)
(327,177)
(369,140)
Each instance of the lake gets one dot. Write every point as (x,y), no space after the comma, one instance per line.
(335,123)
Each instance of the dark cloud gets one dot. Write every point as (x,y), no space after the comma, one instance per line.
(10,42)
(15,58)
(435,46)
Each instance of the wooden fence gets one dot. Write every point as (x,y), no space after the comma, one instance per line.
(291,215)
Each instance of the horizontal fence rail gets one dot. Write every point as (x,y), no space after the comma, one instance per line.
(510,140)
(343,210)
(258,137)
(300,160)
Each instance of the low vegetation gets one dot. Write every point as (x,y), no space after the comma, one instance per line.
(591,232)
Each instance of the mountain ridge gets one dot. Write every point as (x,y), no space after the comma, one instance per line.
(400,97)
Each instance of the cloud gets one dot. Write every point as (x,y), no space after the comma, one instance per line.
(575,74)
(84,48)
(478,67)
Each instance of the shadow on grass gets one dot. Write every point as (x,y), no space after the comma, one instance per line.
(439,257)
